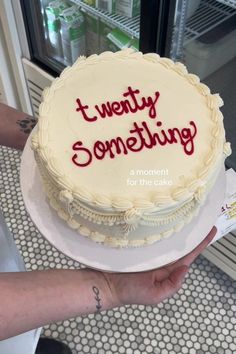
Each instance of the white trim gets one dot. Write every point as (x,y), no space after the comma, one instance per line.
(37,80)
(37,69)
(21,29)
(15,53)
(7,83)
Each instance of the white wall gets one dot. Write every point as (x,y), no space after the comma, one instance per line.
(12,77)
(8,91)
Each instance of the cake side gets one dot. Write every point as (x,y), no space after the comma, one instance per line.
(115,230)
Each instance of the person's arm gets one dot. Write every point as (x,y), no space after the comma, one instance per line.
(15,127)
(32,299)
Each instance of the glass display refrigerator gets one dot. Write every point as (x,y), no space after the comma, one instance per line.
(60,31)
(199,33)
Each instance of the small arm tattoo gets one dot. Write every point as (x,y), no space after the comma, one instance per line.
(27,124)
(97,298)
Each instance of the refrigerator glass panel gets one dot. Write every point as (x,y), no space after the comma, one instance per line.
(60,31)
(204,39)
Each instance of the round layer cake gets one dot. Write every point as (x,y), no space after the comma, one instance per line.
(128,146)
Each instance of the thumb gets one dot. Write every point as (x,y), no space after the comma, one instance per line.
(171,285)
(177,276)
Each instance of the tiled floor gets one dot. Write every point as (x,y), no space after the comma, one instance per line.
(199,319)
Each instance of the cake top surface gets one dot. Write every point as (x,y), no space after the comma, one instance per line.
(126,129)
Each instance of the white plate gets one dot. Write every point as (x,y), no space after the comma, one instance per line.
(101,257)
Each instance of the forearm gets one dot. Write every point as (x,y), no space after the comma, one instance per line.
(15,127)
(32,299)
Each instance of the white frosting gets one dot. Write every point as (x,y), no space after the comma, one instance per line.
(105,192)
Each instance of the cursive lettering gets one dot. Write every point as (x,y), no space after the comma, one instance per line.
(81,108)
(141,138)
(119,108)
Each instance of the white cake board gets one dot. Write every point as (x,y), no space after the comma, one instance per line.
(101,257)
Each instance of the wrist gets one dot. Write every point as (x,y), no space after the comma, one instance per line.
(15,127)
(103,290)
(115,284)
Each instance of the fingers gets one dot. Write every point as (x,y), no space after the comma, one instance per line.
(172,284)
(178,275)
(189,258)
(208,239)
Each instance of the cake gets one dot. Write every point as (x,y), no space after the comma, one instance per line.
(128,146)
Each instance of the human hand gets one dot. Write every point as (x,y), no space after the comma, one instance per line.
(152,287)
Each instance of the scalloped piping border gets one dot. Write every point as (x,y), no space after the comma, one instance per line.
(110,240)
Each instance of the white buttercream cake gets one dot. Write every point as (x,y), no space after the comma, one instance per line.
(128,146)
